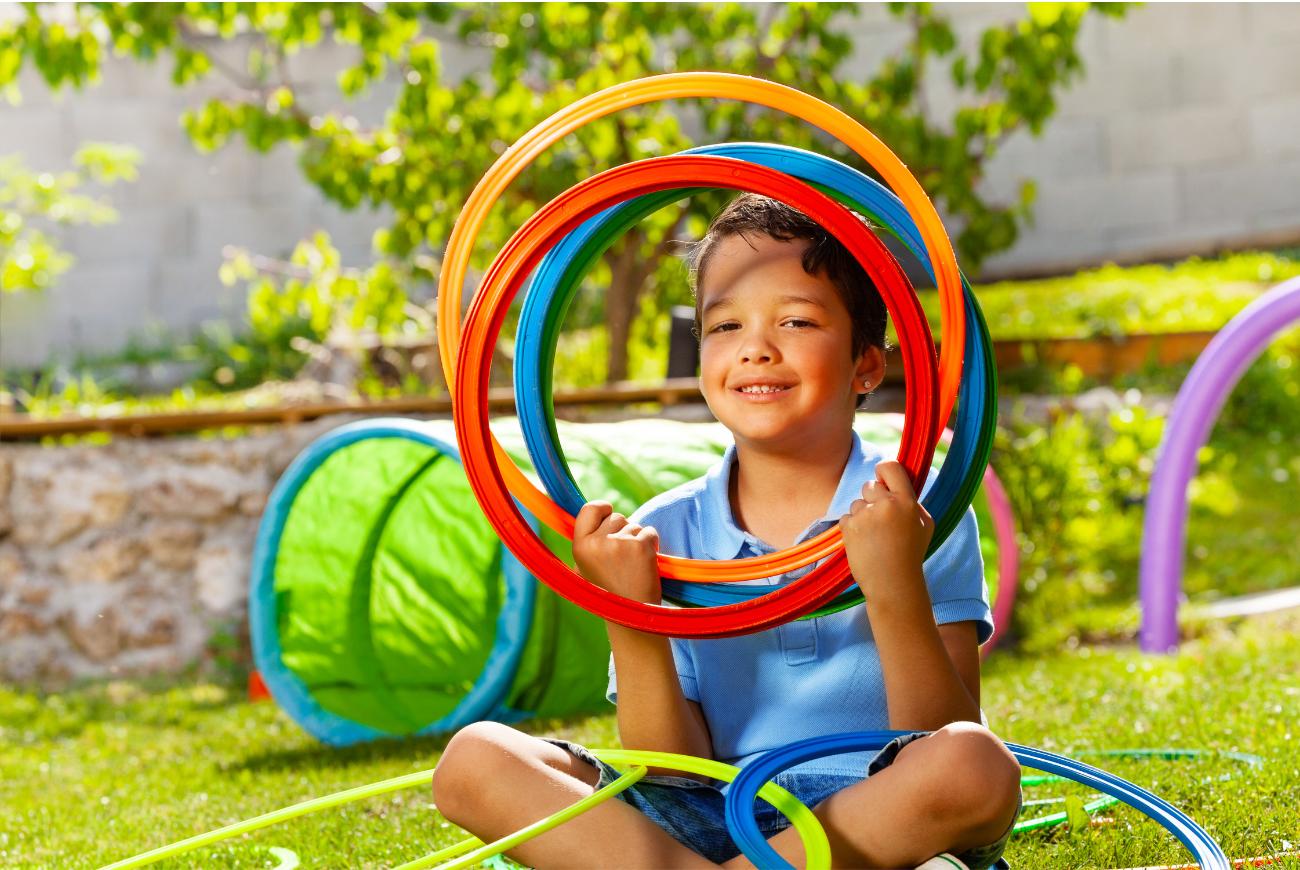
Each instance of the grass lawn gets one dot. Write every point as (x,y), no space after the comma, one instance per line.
(104,772)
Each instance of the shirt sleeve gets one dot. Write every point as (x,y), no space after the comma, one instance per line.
(954,576)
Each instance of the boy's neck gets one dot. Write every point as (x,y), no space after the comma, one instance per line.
(776,494)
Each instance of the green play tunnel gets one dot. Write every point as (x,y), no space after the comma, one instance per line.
(383,604)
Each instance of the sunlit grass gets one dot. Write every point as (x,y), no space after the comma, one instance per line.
(101,773)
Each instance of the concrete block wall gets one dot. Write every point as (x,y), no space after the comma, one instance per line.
(1183,137)
(155,270)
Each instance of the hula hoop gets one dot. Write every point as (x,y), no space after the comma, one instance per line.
(1105,801)
(817,849)
(1197,406)
(814,837)
(315,805)
(769,94)
(483,325)
(556,282)
(708,85)
(743,828)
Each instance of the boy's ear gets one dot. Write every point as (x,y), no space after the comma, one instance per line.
(871,367)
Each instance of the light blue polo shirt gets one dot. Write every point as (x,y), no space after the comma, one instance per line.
(805,678)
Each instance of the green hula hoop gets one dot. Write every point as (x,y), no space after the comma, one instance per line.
(315,805)
(817,848)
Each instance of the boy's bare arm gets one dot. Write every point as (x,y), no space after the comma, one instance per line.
(886,534)
(653,714)
(923,687)
(652,711)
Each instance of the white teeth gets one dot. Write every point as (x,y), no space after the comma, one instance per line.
(763,389)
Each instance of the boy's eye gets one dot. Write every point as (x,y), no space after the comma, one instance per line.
(729,325)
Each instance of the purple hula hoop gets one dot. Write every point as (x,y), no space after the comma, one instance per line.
(1201,397)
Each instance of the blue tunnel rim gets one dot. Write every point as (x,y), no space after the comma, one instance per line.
(485,698)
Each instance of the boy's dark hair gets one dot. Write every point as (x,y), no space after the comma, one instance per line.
(750,212)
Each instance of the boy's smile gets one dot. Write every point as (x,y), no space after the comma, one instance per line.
(776,363)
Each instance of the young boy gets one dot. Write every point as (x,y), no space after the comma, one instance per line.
(791,341)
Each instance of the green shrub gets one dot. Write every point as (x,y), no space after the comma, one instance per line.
(1078,488)
(1266,401)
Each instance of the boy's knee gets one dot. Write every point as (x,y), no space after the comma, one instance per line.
(476,757)
(979,774)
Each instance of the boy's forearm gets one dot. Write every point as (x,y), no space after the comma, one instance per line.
(923,690)
(653,713)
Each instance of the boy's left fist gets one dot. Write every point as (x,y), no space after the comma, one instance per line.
(887,531)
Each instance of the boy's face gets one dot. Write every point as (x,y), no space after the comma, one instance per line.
(776,362)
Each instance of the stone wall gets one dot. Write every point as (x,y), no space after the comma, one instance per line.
(133,557)
(129,558)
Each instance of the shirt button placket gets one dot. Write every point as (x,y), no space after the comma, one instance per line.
(798,637)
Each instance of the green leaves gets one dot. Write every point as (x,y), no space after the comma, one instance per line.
(107,162)
(314,294)
(29,258)
(1075,814)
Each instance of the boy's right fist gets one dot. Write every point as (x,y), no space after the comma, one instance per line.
(616,555)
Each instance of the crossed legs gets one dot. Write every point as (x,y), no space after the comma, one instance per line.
(954,790)
(493,780)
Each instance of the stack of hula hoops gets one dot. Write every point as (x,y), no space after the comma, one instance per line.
(554,248)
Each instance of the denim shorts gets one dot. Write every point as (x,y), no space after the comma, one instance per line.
(693,812)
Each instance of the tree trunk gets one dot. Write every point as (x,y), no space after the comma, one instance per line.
(627,278)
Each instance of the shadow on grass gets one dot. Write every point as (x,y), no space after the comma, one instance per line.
(429,747)
(148,701)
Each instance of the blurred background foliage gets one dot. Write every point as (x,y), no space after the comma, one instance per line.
(30,259)
(442,132)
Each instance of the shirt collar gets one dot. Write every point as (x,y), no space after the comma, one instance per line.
(723,539)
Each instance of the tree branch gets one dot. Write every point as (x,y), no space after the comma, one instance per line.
(918,57)
(250,89)
(193,40)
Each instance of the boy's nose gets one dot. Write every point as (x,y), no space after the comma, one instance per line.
(757,348)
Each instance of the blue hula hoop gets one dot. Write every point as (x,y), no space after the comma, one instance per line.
(744,829)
